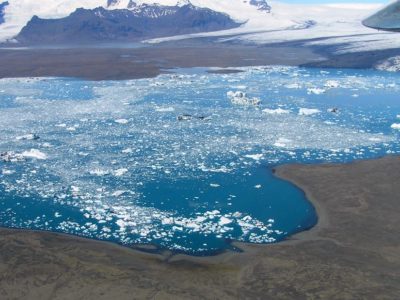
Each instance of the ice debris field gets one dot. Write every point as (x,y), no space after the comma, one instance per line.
(184,161)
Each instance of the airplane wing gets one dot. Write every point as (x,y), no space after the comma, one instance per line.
(387,19)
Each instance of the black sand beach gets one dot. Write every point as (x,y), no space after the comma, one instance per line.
(124,63)
(353,252)
(108,63)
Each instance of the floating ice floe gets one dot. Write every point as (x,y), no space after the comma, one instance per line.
(282,142)
(121,172)
(164,109)
(75,189)
(7,172)
(127,150)
(187,117)
(395,126)
(315,91)
(293,86)
(222,169)
(99,172)
(254,156)
(47,145)
(391,64)
(224,221)
(240,98)
(330,84)
(308,111)
(278,111)
(121,121)
(11,156)
(118,193)
(30,136)
(34,153)
(334,110)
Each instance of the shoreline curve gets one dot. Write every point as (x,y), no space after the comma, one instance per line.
(353,252)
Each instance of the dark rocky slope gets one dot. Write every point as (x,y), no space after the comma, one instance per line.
(2,11)
(124,25)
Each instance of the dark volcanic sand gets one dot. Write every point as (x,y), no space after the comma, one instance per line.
(108,63)
(353,252)
(105,62)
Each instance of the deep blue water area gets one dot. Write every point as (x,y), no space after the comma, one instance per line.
(184,161)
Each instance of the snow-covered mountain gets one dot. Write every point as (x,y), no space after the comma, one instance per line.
(264,21)
(261,5)
(2,11)
(20,12)
(134,23)
(145,9)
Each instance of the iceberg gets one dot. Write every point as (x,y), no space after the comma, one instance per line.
(308,111)
(34,153)
(278,111)
(240,98)
(395,126)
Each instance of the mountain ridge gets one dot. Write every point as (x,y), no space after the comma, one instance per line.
(2,11)
(124,25)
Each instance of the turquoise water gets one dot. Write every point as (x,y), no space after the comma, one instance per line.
(181,161)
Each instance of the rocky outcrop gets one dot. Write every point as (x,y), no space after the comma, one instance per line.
(138,23)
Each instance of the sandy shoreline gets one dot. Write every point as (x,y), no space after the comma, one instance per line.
(108,63)
(353,252)
(134,63)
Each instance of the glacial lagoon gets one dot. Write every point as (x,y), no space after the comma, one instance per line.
(184,161)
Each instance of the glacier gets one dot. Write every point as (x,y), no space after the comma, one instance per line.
(338,25)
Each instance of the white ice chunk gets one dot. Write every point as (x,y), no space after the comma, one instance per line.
(224,221)
(240,98)
(30,136)
(121,121)
(293,86)
(278,111)
(121,172)
(395,126)
(164,109)
(34,153)
(99,172)
(332,84)
(75,189)
(315,91)
(308,111)
(118,193)
(282,142)
(7,172)
(254,156)
(127,150)
(391,64)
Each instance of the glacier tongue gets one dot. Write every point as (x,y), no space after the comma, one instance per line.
(322,24)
